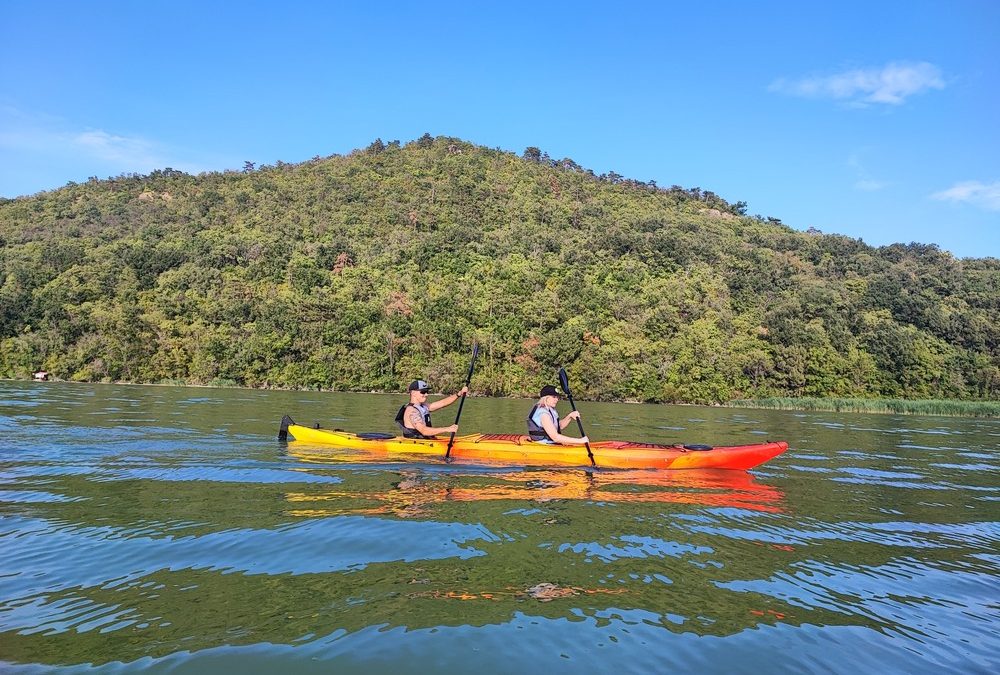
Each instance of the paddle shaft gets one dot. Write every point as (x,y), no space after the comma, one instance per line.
(579,425)
(564,381)
(461,403)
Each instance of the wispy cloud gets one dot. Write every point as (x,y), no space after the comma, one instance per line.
(106,151)
(102,145)
(890,84)
(983,195)
(865,181)
(870,185)
(60,152)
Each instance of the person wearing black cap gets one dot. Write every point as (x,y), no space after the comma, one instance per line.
(414,418)
(544,425)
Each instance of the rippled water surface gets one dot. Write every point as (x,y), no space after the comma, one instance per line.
(166,529)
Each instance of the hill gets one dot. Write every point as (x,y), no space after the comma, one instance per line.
(362,272)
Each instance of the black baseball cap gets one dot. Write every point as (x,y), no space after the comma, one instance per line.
(419,385)
(549,390)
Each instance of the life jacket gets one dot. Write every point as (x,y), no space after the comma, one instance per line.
(413,433)
(535,430)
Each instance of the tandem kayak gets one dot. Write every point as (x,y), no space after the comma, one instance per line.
(521,450)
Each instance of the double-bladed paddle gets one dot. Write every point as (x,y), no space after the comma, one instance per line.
(564,381)
(468,379)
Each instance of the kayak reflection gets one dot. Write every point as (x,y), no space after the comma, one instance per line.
(417,490)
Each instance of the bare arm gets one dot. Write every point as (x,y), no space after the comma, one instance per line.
(447,400)
(550,429)
(415,420)
(569,418)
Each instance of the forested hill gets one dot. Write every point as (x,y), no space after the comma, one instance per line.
(365,271)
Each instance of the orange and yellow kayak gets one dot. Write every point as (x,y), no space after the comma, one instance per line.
(521,450)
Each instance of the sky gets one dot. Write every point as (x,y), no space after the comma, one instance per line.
(879,120)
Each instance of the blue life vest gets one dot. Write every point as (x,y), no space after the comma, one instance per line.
(535,430)
(413,433)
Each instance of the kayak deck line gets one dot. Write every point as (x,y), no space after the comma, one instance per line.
(520,449)
(521,439)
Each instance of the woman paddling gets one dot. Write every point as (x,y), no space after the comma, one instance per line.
(544,425)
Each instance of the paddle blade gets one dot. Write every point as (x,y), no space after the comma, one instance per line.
(564,381)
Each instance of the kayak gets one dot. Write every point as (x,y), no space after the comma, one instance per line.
(521,450)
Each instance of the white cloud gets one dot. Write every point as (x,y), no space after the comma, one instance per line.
(984,195)
(891,84)
(870,185)
(865,181)
(119,150)
(61,152)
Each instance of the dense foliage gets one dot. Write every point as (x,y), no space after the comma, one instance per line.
(361,272)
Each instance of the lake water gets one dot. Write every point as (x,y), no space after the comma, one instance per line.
(166,529)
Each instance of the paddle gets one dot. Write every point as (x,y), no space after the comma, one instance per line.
(468,379)
(564,381)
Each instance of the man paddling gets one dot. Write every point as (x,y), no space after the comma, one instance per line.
(544,424)
(414,418)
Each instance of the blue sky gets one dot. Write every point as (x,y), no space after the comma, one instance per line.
(873,119)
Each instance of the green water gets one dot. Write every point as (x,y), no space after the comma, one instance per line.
(166,529)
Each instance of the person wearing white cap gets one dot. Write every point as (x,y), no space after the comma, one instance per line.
(414,418)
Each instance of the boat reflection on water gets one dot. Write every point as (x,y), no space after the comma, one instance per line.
(414,488)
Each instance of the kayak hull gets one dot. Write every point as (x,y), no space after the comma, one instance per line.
(521,450)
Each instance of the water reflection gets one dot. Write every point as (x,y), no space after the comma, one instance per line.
(409,496)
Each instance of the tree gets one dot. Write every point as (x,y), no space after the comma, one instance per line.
(532,154)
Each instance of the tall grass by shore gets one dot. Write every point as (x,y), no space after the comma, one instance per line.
(880,405)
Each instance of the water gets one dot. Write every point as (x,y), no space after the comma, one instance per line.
(165,529)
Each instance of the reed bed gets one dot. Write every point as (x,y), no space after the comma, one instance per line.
(877,405)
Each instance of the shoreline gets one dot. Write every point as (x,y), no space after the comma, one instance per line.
(894,406)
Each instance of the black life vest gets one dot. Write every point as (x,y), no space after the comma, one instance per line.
(413,433)
(536,431)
